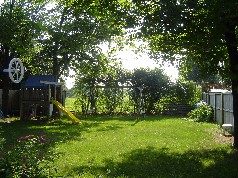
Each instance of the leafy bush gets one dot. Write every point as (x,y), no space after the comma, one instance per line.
(185,92)
(29,157)
(203,113)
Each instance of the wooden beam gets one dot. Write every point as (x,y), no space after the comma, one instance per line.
(99,86)
(51,83)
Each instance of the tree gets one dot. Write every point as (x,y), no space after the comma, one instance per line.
(155,85)
(184,92)
(204,32)
(72,31)
(17,31)
(95,73)
(194,73)
(89,74)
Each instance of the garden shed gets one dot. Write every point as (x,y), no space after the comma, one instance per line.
(36,93)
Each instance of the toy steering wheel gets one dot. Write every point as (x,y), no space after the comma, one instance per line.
(15,70)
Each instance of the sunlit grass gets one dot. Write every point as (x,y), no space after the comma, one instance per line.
(69,103)
(149,147)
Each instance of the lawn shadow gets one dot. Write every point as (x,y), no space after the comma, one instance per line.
(57,131)
(62,130)
(151,162)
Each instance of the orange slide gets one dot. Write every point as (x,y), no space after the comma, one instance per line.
(62,108)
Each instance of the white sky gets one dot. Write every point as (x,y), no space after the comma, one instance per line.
(130,61)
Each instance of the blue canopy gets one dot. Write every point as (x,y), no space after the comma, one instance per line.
(37,81)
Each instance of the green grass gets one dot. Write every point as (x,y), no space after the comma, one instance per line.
(69,103)
(125,147)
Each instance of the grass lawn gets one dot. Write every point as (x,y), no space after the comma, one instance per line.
(69,103)
(123,147)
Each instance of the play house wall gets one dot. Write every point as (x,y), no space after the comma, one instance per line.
(36,96)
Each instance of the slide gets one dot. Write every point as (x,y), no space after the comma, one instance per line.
(62,108)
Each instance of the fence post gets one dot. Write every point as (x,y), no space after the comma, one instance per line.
(215,107)
(222,107)
(208,98)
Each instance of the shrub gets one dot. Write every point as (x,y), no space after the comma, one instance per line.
(203,113)
(185,92)
(29,157)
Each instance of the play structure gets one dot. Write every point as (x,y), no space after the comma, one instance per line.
(15,70)
(38,93)
(62,108)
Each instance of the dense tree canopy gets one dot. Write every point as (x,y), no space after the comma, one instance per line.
(201,31)
(72,34)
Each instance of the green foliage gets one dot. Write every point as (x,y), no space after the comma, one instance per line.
(155,84)
(185,92)
(193,72)
(202,114)
(193,29)
(53,36)
(157,91)
(98,85)
(29,157)
(113,97)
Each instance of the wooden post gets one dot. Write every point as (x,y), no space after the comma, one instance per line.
(49,98)
(215,106)
(21,104)
(222,108)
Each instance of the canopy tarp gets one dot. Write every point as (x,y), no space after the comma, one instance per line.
(40,81)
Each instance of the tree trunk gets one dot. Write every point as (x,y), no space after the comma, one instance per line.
(235,111)
(5,80)
(5,94)
(55,112)
(231,43)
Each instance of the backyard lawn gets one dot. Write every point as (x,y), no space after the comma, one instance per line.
(121,146)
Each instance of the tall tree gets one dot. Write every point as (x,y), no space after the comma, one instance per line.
(204,32)
(73,31)
(17,31)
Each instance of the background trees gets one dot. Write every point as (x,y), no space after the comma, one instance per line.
(155,84)
(142,90)
(72,33)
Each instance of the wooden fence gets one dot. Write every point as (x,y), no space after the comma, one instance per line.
(222,104)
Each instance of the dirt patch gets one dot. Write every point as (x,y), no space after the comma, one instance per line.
(220,138)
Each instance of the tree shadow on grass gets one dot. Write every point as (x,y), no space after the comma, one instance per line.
(62,130)
(56,131)
(151,162)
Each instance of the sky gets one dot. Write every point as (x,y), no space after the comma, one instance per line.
(130,61)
